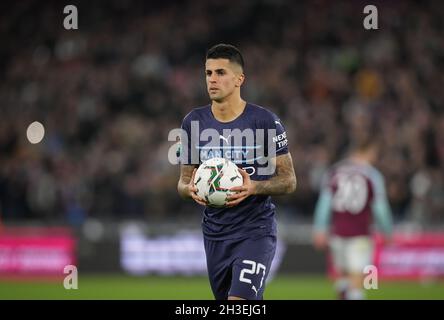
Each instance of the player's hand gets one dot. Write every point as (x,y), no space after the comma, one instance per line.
(242,192)
(192,189)
(320,240)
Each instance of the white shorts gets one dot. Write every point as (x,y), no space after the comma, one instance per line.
(351,254)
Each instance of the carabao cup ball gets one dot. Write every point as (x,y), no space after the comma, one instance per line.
(214,178)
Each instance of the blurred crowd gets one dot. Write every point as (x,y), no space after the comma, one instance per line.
(109,92)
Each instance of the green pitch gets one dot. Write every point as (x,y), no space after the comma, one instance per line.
(166,288)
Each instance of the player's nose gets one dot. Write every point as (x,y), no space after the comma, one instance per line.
(212,78)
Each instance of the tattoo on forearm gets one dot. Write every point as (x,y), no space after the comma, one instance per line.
(283,182)
(185,176)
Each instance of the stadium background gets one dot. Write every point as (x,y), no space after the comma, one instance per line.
(109,93)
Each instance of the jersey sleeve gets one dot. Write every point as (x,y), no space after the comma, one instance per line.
(380,206)
(276,136)
(322,214)
(187,153)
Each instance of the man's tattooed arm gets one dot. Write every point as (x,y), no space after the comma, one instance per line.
(283,182)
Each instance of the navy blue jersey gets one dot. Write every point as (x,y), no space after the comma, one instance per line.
(205,137)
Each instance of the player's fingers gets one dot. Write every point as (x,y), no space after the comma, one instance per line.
(192,190)
(244,174)
(196,197)
(199,200)
(201,203)
(192,177)
(235,202)
(239,188)
(236,196)
(231,198)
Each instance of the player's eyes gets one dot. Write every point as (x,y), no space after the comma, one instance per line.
(218,72)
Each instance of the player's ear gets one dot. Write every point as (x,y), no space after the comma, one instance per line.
(240,79)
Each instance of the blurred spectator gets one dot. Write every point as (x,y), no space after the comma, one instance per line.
(109,92)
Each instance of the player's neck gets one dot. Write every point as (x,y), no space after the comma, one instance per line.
(228,110)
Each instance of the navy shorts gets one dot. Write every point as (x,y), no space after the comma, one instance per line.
(239,267)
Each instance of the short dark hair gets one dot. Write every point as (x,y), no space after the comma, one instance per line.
(226,51)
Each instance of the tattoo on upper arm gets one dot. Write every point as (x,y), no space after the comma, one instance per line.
(284,165)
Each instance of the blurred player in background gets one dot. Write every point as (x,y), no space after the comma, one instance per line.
(352,197)
(240,239)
